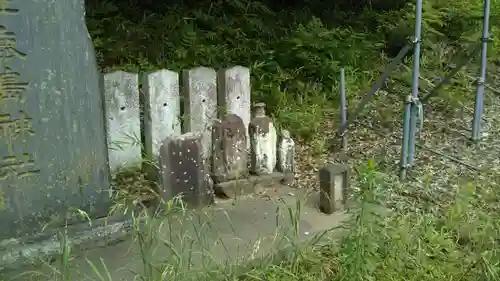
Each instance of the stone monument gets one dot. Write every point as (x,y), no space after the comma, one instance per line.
(53,150)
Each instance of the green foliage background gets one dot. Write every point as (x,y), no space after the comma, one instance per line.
(294,48)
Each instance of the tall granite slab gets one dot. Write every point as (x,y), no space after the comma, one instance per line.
(52,148)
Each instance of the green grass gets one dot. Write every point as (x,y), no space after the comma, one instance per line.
(456,242)
(295,55)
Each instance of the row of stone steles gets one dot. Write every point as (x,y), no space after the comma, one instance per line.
(213,146)
(212,105)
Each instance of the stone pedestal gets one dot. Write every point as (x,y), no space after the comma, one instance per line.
(252,184)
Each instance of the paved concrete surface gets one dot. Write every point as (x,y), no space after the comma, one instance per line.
(231,232)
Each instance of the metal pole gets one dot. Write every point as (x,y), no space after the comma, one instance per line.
(415,83)
(479,103)
(343,107)
(446,80)
(410,114)
(404,146)
(380,81)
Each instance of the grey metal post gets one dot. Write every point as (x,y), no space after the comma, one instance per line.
(410,114)
(415,83)
(343,107)
(380,81)
(406,134)
(479,103)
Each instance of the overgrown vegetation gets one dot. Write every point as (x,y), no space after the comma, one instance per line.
(458,242)
(294,53)
(295,50)
(455,241)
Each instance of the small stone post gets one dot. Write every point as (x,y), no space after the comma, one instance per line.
(234,94)
(200,104)
(333,187)
(123,127)
(161,109)
(161,115)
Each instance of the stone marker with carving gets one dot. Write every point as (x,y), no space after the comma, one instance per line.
(229,155)
(184,171)
(53,153)
(286,156)
(333,187)
(262,142)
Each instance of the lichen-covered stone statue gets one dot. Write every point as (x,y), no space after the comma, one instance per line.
(286,155)
(263,141)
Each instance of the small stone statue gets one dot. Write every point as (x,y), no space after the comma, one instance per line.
(263,141)
(286,154)
(230,154)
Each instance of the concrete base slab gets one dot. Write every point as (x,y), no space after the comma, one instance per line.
(252,184)
(232,232)
(18,253)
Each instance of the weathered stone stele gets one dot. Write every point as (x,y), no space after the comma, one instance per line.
(234,94)
(52,148)
(123,125)
(200,104)
(161,109)
(229,155)
(183,170)
(161,115)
